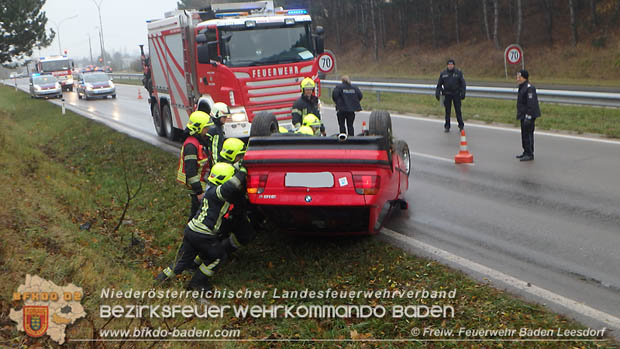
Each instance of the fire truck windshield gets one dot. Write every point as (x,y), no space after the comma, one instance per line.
(50,66)
(266,45)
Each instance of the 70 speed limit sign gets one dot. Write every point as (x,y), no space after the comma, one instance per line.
(327,62)
(513,55)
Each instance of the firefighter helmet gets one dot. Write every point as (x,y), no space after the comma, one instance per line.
(311,120)
(307,83)
(231,148)
(221,173)
(282,129)
(219,110)
(198,121)
(305,130)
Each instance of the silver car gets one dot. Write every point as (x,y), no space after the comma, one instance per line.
(94,85)
(45,86)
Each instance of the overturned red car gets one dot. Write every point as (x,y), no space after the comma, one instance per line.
(335,185)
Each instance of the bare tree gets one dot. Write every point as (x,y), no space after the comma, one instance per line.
(617,12)
(573,23)
(485,19)
(403,20)
(456,20)
(519,21)
(433,23)
(496,23)
(548,10)
(593,18)
(373,20)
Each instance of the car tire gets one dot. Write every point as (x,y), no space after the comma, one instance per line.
(159,129)
(171,132)
(114,95)
(264,124)
(380,124)
(402,150)
(79,95)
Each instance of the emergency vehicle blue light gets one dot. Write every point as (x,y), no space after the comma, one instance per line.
(297,12)
(231,14)
(41,57)
(35,74)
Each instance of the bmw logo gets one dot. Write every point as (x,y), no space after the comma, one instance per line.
(308,198)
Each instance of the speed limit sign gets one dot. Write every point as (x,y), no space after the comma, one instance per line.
(513,54)
(327,62)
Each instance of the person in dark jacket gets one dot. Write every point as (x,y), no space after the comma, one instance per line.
(306,104)
(347,98)
(451,85)
(527,112)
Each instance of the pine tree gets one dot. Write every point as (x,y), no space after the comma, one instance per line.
(22,27)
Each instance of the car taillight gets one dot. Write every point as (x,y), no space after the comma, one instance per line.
(366,184)
(256,184)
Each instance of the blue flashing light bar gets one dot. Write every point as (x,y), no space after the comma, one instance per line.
(230,14)
(297,12)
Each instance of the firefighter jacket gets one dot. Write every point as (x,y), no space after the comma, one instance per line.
(216,203)
(304,106)
(216,140)
(347,98)
(527,101)
(451,83)
(194,165)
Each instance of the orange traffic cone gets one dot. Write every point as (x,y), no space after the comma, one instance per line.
(139,93)
(464,156)
(364,128)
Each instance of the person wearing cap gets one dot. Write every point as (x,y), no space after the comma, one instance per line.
(527,112)
(451,85)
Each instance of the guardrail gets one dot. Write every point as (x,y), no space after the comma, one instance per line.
(601,99)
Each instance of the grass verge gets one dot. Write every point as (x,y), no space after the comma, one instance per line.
(62,171)
(577,119)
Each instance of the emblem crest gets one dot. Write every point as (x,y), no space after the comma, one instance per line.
(36,320)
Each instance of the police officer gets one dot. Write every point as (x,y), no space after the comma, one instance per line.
(219,115)
(527,112)
(347,98)
(202,233)
(194,158)
(451,85)
(306,104)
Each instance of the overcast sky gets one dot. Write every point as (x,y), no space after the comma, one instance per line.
(124,24)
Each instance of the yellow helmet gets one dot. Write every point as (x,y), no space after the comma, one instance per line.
(305,130)
(221,173)
(307,83)
(231,148)
(219,110)
(312,121)
(198,121)
(282,129)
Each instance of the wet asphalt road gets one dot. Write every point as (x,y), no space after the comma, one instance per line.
(553,222)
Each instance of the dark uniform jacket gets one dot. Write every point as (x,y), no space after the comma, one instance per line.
(347,98)
(215,204)
(216,140)
(527,101)
(451,83)
(303,107)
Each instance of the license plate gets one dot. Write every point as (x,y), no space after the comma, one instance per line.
(309,179)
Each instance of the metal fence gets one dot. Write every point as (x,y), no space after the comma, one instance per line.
(604,99)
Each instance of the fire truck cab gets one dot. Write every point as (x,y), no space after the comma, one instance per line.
(59,66)
(248,55)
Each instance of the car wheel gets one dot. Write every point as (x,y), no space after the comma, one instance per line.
(159,129)
(171,132)
(402,150)
(114,95)
(380,124)
(79,95)
(264,124)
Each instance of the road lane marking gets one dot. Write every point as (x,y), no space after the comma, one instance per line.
(437,158)
(497,275)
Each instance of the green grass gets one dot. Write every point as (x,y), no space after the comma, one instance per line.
(577,119)
(61,171)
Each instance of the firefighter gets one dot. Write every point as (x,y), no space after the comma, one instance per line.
(219,115)
(202,234)
(194,159)
(313,122)
(237,224)
(451,85)
(306,104)
(305,130)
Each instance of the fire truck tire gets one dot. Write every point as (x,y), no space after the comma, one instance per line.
(159,129)
(264,124)
(166,117)
(380,124)
(402,149)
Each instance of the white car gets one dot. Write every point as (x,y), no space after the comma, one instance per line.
(95,85)
(45,86)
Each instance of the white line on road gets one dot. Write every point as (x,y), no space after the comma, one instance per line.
(524,286)
(437,158)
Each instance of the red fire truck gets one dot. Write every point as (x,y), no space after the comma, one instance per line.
(248,55)
(60,66)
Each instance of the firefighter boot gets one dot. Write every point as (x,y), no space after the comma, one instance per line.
(165,275)
(199,282)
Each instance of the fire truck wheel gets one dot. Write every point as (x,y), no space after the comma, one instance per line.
(157,120)
(171,133)
(264,124)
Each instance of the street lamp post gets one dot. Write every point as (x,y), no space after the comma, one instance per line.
(58,31)
(101,28)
